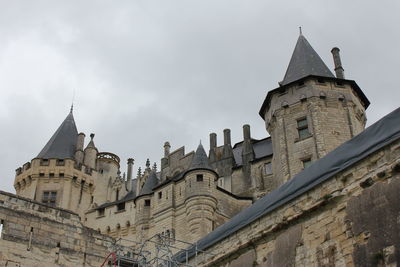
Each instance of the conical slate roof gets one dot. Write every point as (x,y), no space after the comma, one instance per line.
(150,183)
(304,62)
(63,142)
(200,159)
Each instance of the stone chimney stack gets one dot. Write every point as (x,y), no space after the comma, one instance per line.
(227,151)
(164,160)
(130,166)
(338,63)
(213,146)
(79,148)
(247,154)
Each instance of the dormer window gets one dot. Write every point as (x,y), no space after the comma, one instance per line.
(121,206)
(159,195)
(60,162)
(44,162)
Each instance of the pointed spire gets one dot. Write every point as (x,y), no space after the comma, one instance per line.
(91,143)
(63,142)
(150,183)
(155,167)
(147,164)
(139,172)
(304,62)
(200,159)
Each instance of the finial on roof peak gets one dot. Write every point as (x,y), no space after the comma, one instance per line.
(72,108)
(301,32)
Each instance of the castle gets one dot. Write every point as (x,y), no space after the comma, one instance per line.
(219,200)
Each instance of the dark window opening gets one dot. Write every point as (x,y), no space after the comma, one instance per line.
(339,84)
(306,162)
(199,177)
(302,128)
(268,168)
(44,162)
(1,227)
(74,179)
(117,195)
(41,174)
(51,175)
(60,162)
(61,174)
(300,84)
(147,202)
(101,212)
(121,206)
(91,199)
(49,198)
(159,195)
(321,81)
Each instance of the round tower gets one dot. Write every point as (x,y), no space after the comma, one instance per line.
(90,154)
(200,202)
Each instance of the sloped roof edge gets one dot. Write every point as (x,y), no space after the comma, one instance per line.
(375,137)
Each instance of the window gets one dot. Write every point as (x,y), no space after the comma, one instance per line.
(302,128)
(306,162)
(61,174)
(51,175)
(268,168)
(321,81)
(159,195)
(121,206)
(1,227)
(91,199)
(199,177)
(60,162)
(41,174)
(100,212)
(44,162)
(117,195)
(49,198)
(147,202)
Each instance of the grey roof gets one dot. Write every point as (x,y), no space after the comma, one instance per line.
(304,62)
(200,160)
(150,183)
(131,195)
(375,137)
(262,148)
(63,142)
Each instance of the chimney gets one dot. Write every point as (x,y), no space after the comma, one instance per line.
(164,160)
(213,145)
(167,148)
(247,154)
(338,63)
(227,151)
(79,148)
(130,166)
(227,137)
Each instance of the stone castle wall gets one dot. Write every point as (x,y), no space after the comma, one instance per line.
(37,235)
(350,220)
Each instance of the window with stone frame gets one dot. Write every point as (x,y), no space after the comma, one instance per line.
(268,168)
(199,177)
(49,198)
(302,128)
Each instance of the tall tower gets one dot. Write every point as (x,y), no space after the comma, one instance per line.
(311,112)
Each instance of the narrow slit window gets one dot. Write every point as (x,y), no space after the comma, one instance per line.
(1,228)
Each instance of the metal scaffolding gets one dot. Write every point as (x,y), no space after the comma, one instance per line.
(157,251)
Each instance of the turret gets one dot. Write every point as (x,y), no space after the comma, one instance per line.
(90,154)
(200,189)
(311,112)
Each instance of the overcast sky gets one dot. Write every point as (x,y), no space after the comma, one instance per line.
(146,72)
